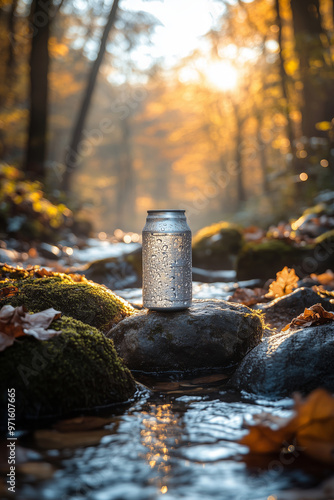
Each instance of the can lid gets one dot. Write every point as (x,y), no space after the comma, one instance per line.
(164,211)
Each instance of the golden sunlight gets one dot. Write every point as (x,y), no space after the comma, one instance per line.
(222,75)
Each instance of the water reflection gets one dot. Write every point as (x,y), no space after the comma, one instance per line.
(161,434)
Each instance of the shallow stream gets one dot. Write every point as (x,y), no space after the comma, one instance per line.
(175,440)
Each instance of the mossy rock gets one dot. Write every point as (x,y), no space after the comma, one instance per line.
(86,301)
(324,252)
(77,369)
(216,246)
(263,260)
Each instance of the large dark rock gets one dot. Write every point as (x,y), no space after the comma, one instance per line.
(298,360)
(263,260)
(210,334)
(282,310)
(217,246)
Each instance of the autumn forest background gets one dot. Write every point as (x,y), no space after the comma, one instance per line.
(96,127)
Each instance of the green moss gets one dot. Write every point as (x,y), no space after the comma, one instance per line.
(89,302)
(213,246)
(265,259)
(78,368)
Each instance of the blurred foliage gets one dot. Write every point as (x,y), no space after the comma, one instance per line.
(25,212)
(223,122)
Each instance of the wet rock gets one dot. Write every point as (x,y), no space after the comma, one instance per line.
(263,260)
(281,311)
(77,369)
(210,334)
(49,251)
(117,272)
(297,360)
(8,256)
(216,246)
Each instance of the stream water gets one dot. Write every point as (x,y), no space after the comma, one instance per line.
(178,440)
(173,446)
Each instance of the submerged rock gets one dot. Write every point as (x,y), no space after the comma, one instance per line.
(216,246)
(88,302)
(297,360)
(210,334)
(78,368)
(281,311)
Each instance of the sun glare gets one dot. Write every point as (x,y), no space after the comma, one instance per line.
(222,75)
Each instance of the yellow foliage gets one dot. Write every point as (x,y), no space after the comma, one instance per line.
(324,126)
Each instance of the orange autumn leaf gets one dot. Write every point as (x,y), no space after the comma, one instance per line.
(310,430)
(286,281)
(314,315)
(248,296)
(326,278)
(8,291)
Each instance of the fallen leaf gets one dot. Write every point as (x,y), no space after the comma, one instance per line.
(286,281)
(47,439)
(17,322)
(326,278)
(310,430)
(8,291)
(314,315)
(83,423)
(39,470)
(248,296)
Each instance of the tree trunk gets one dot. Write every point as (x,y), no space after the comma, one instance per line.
(263,158)
(285,89)
(39,67)
(317,95)
(11,37)
(241,192)
(125,187)
(72,154)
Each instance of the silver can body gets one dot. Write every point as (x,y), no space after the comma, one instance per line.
(167,272)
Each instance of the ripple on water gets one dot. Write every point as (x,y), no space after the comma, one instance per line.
(170,447)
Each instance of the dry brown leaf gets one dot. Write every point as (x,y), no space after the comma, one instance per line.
(326,278)
(39,470)
(310,430)
(248,296)
(8,291)
(314,315)
(83,423)
(16,322)
(47,439)
(286,281)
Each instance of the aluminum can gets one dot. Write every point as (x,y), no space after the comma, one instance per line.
(167,272)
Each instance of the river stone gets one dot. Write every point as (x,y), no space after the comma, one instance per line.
(281,311)
(210,334)
(297,360)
